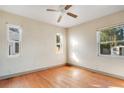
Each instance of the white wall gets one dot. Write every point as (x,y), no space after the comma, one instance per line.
(38,45)
(82,49)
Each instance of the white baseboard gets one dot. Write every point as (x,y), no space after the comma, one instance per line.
(100,72)
(45,68)
(28,72)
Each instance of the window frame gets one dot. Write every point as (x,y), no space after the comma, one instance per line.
(60,51)
(99,42)
(12,41)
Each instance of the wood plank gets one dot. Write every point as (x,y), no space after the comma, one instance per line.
(62,77)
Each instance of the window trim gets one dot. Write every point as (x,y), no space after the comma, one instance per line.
(98,42)
(60,43)
(8,41)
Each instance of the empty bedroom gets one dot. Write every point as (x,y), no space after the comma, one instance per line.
(61,46)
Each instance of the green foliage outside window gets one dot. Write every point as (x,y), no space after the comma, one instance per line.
(112,41)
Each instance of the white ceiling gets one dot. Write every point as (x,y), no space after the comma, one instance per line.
(85,13)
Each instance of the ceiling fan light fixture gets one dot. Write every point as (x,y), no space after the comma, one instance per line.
(63,10)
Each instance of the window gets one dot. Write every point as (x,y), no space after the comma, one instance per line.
(59,45)
(14,39)
(111,41)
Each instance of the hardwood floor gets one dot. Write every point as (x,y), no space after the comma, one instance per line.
(62,77)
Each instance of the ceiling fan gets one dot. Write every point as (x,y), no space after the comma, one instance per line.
(63,10)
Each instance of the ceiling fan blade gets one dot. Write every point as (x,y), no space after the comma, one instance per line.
(59,19)
(67,7)
(51,10)
(72,15)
